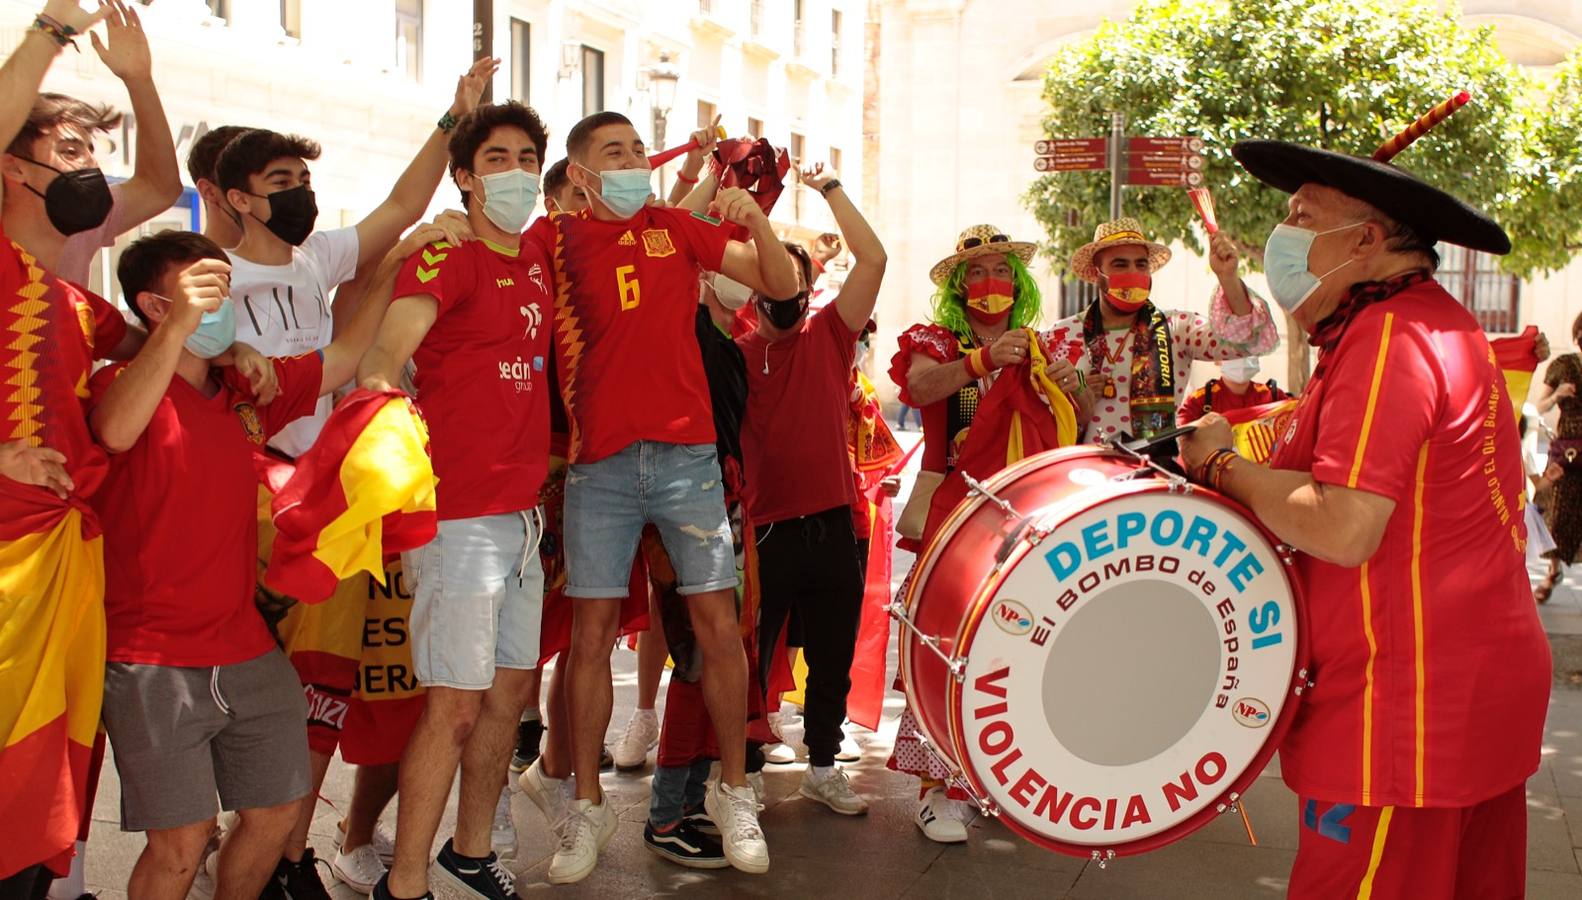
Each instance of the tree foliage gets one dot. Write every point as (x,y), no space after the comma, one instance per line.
(1340,74)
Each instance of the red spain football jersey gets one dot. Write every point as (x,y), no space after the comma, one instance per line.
(52,331)
(1431,669)
(180,514)
(626,294)
(483,373)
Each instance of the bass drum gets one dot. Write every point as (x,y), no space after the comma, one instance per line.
(1108,656)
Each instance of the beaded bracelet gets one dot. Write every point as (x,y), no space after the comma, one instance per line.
(1213,469)
(60,34)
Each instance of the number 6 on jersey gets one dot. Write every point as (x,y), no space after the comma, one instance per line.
(631,291)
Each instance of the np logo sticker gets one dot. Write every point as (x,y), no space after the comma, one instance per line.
(1012,617)
(1251,712)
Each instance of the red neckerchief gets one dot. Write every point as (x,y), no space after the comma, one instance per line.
(1327,334)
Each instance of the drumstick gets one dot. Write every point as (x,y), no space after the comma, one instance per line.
(1204,201)
(664,156)
(1417,129)
(1246,822)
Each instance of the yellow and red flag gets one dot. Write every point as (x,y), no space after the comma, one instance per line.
(51,673)
(1258,428)
(365,489)
(1517,358)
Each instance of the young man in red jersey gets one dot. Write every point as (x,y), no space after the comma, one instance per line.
(642,450)
(198,699)
(474,318)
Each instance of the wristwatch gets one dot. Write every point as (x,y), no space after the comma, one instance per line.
(833,184)
(447,122)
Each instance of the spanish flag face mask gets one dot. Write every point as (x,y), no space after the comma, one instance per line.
(1128,291)
(989,301)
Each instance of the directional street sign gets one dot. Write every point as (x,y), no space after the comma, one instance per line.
(1071,146)
(1158,178)
(1175,161)
(1073,163)
(1165,145)
(1143,161)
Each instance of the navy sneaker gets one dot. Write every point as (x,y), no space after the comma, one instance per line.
(382,891)
(684,845)
(482,877)
(299,880)
(698,818)
(529,738)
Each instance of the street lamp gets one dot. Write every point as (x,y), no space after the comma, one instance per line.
(662,78)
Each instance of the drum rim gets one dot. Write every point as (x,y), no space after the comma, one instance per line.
(977,609)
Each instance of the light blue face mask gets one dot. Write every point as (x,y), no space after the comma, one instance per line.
(1285,264)
(509,198)
(216,331)
(625,191)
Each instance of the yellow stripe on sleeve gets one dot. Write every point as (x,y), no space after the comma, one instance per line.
(1373,401)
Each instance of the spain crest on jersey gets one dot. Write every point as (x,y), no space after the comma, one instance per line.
(656,242)
(250,422)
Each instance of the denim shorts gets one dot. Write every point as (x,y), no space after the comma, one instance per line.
(478,601)
(677,487)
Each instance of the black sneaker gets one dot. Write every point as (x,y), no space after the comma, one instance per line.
(529,737)
(476,876)
(698,818)
(606,761)
(382,891)
(300,880)
(684,845)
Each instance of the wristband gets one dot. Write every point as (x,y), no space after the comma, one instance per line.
(447,122)
(833,184)
(682,177)
(55,31)
(1214,468)
(973,364)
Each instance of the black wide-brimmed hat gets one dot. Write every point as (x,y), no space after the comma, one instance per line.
(1432,213)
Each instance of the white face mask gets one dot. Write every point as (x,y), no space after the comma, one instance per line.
(1239,370)
(732,294)
(509,198)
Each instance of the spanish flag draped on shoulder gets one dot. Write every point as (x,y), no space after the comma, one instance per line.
(1023,413)
(365,489)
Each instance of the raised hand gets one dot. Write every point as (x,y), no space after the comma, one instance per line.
(71,14)
(735,205)
(1223,258)
(706,138)
(816,175)
(126,54)
(201,288)
(469,87)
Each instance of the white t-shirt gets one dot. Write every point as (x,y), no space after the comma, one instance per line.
(285,311)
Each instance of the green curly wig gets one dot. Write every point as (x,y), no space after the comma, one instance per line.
(950,301)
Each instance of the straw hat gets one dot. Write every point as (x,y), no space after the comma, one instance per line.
(980,240)
(1124,232)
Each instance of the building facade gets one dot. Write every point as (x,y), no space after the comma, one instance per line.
(369,78)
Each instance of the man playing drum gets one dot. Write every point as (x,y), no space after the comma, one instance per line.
(1399,481)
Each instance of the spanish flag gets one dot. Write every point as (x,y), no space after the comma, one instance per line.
(51,673)
(1258,428)
(365,489)
(1517,358)
(1023,413)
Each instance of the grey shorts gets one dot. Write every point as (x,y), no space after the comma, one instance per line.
(478,600)
(181,736)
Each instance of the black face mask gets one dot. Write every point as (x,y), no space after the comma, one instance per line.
(783,314)
(75,201)
(292,214)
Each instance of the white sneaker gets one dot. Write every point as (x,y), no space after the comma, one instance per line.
(360,869)
(940,818)
(203,883)
(584,831)
(834,791)
(641,736)
(383,844)
(502,838)
(552,796)
(756,781)
(735,811)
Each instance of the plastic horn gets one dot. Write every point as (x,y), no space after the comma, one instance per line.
(1417,129)
(664,156)
(1204,201)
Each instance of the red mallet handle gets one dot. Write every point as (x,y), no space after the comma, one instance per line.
(664,156)
(1417,129)
(1204,201)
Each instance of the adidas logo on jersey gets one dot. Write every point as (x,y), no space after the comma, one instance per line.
(627,240)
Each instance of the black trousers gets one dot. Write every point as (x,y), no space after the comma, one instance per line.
(811,564)
(32,883)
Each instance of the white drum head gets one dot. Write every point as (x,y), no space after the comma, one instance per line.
(1128,669)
